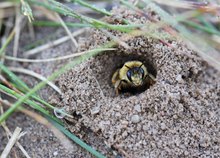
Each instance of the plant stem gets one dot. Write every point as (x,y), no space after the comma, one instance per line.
(8,40)
(66,67)
(83,3)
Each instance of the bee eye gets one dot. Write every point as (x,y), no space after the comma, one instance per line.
(141,71)
(129,73)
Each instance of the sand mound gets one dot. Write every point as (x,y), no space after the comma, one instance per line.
(177,116)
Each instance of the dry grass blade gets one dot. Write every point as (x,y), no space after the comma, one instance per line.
(7,12)
(8,40)
(56,17)
(67,30)
(52,59)
(15,136)
(8,84)
(63,139)
(7,4)
(207,52)
(9,134)
(10,95)
(53,43)
(7,9)
(18,22)
(17,143)
(38,76)
(43,12)
(31,31)
(181,4)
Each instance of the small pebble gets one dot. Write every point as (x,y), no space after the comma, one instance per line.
(124,134)
(163,126)
(135,119)
(95,110)
(33,138)
(123,122)
(145,128)
(137,108)
(55,153)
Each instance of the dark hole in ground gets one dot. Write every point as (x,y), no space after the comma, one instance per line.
(110,62)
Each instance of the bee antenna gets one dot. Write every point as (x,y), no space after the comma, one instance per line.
(127,67)
(141,65)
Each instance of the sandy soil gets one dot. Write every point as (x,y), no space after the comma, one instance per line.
(178,116)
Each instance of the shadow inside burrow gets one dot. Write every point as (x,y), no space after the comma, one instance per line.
(108,63)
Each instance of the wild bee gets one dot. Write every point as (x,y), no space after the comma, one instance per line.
(132,75)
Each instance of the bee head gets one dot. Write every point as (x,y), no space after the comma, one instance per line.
(136,76)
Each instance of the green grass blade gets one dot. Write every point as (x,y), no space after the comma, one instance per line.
(203,28)
(28,102)
(22,86)
(207,24)
(85,4)
(8,40)
(66,67)
(76,139)
(64,10)
(55,24)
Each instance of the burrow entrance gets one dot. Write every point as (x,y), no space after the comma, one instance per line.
(107,63)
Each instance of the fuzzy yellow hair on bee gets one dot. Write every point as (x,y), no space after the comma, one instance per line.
(132,74)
